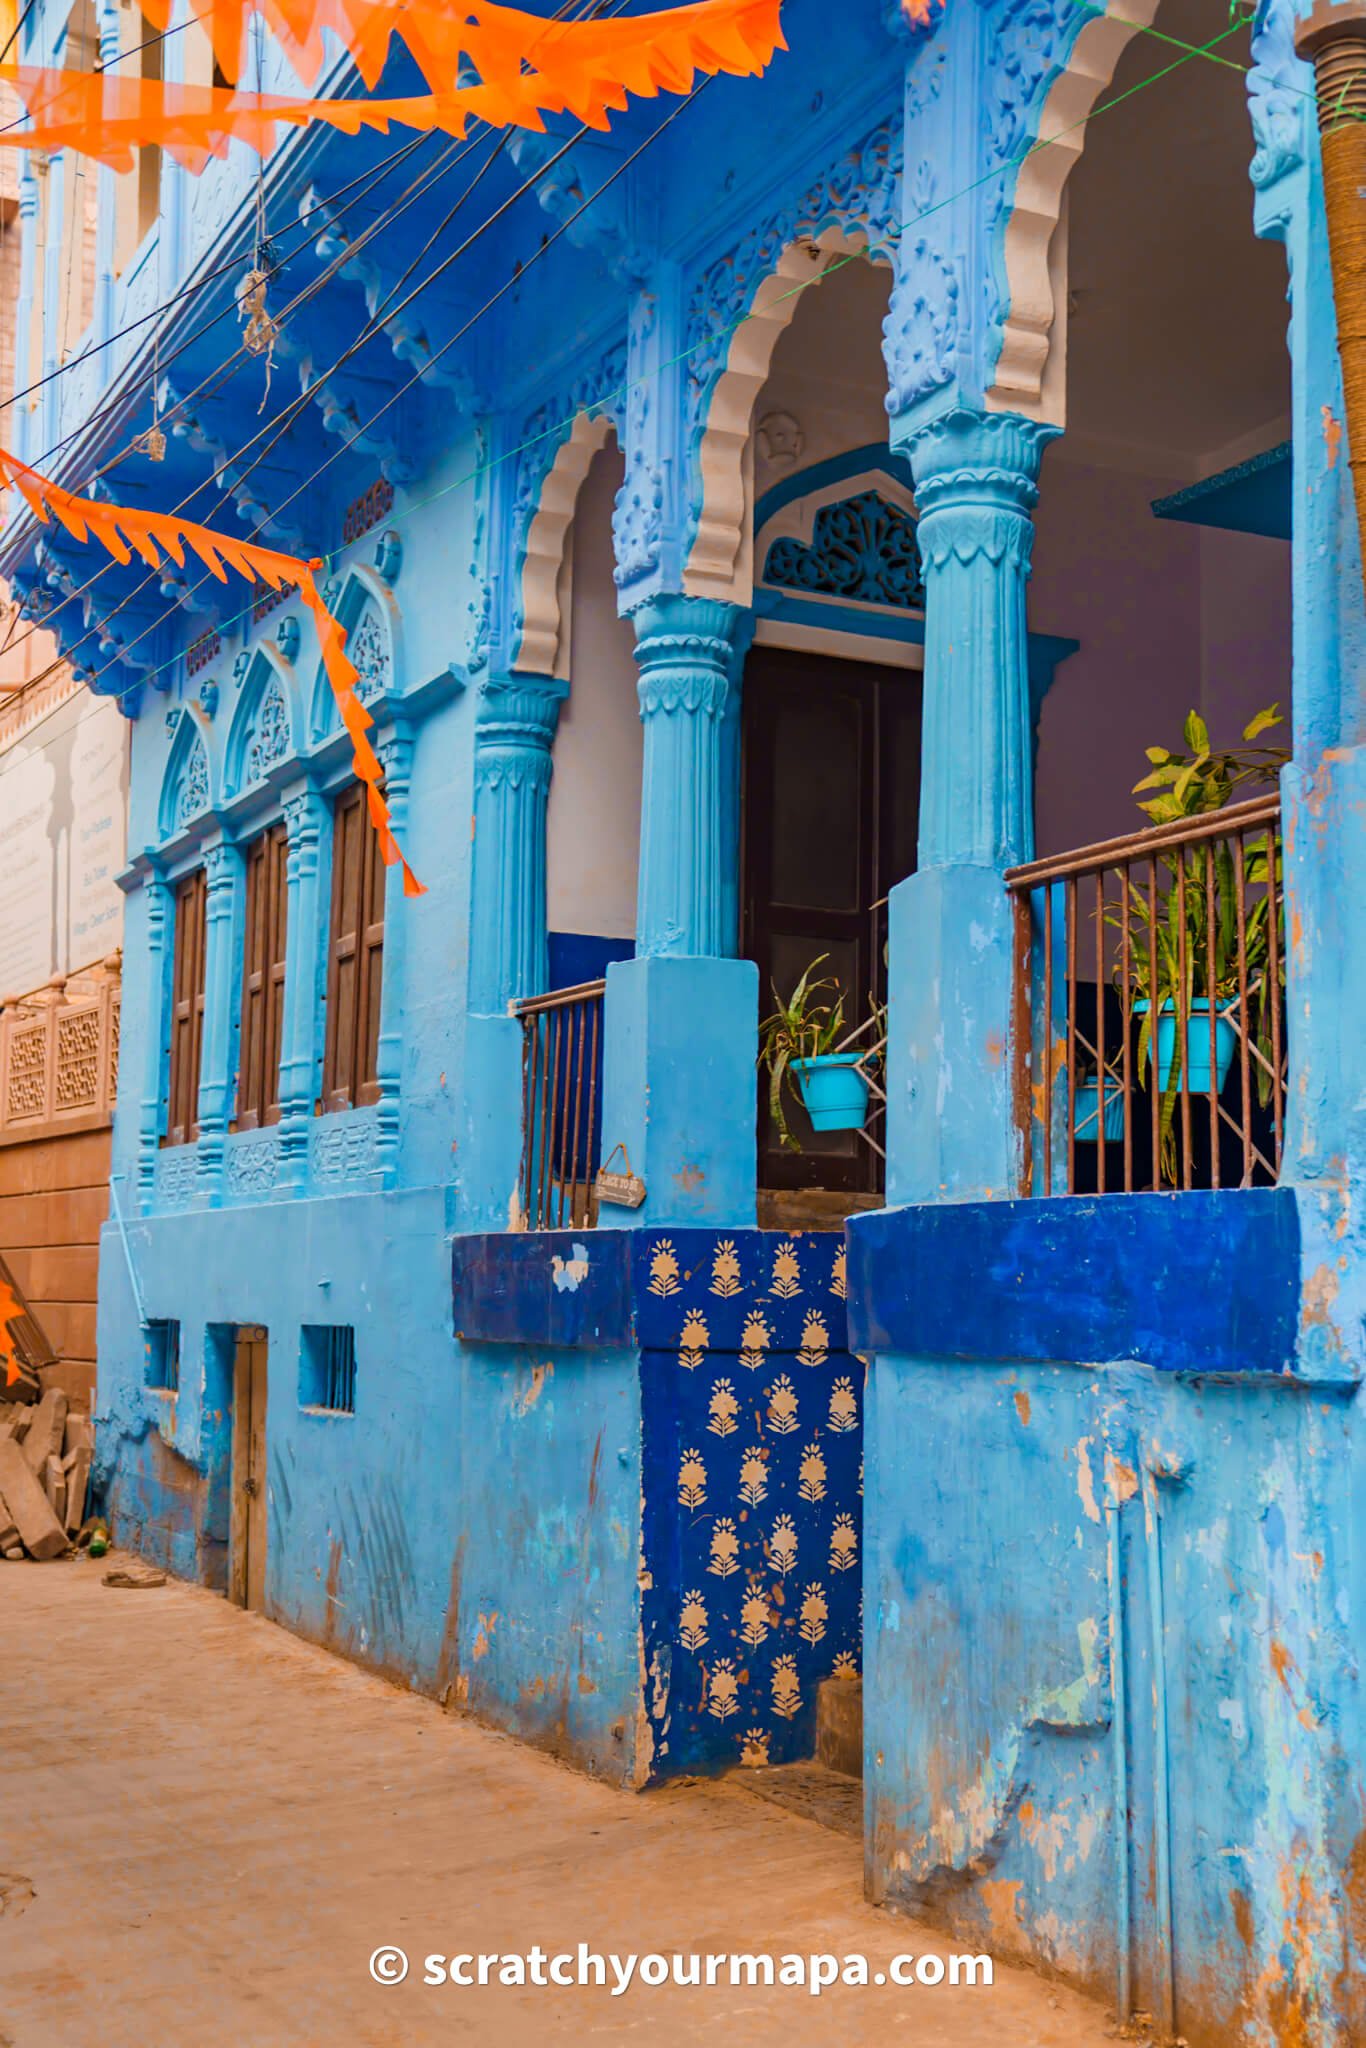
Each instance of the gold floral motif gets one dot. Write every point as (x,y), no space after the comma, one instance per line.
(755,1335)
(843,1407)
(692,1630)
(782,1406)
(815,1348)
(754,1620)
(787,1693)
(782,1545)
(814,1615)
(753,1477)
(787,1272)
(811,1474)
(693,1340)
(838,1281)
(843,1543)
(754,1750)
(723,1410)
(725,1269)
(692,1480)
(664,1269)
(725,1549)
(723,1689)
(845,1665)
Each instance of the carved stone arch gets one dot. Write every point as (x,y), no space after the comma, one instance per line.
(720,560)
(186,787)
(264,729)
(369,615)
(1030,374)
(543,645)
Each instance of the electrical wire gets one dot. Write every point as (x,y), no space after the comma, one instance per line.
(370,329)
(558,426)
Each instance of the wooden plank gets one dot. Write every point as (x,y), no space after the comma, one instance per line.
(41,1534)
(28,1341)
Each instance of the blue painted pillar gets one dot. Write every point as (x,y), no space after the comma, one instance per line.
(107,201)
(1323,790)
(396,757)
(686,648)
(159,914)
(222,993)
(514,732)
(307,819)
(951,1132)
(680,1032)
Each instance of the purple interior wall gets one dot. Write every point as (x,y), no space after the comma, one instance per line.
(1170,617)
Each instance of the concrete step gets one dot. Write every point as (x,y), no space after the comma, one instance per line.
(830,1798)
(839,1725)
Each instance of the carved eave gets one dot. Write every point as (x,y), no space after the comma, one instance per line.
(608,226)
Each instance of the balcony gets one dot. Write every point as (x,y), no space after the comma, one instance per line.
(1150,1008)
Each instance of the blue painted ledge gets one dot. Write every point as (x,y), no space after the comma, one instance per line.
(593,1289)
(1196,1283)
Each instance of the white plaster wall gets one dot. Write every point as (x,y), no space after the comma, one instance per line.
(593,827)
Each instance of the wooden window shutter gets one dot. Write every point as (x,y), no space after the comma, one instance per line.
(263,979)
(187,1009)
(355,956)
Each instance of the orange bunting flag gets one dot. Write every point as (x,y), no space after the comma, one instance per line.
(154,535)
(499,41)
(10,1311)
(584,69)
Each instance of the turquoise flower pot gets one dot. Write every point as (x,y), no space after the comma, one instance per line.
(833,1091)
(1087,1102)
(1196,1066)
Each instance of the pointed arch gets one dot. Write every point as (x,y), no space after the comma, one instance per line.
(264,729)
(1030,371)
(186,788)
(370,617)
(720,561)
(543,644)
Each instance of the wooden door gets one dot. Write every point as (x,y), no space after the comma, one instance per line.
(247,1570)
(831,808)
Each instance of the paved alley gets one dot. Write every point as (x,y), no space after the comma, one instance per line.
(209,1827)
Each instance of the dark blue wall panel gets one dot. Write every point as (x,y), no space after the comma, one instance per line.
(1200,1282)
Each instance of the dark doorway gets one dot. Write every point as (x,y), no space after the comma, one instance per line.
(831,804)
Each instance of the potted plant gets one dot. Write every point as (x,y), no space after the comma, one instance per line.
(1194,971)
(806,1046)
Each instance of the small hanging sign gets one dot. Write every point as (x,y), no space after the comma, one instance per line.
(626,1189)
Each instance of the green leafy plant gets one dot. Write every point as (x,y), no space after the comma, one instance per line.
(809,1024)
(1183,945)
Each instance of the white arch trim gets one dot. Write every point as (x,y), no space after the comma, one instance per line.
(721,559)
(543,648)
(1031,370)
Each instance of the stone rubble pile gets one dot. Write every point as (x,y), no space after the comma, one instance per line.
(45,1453)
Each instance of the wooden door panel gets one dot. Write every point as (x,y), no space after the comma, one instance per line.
(831,787)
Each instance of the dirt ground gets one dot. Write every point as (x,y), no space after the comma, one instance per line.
(207,1828)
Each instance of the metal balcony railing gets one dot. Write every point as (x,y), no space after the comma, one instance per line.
(1150,1007)
(561,1106)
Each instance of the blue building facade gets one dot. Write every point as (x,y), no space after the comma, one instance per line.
(680,489)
